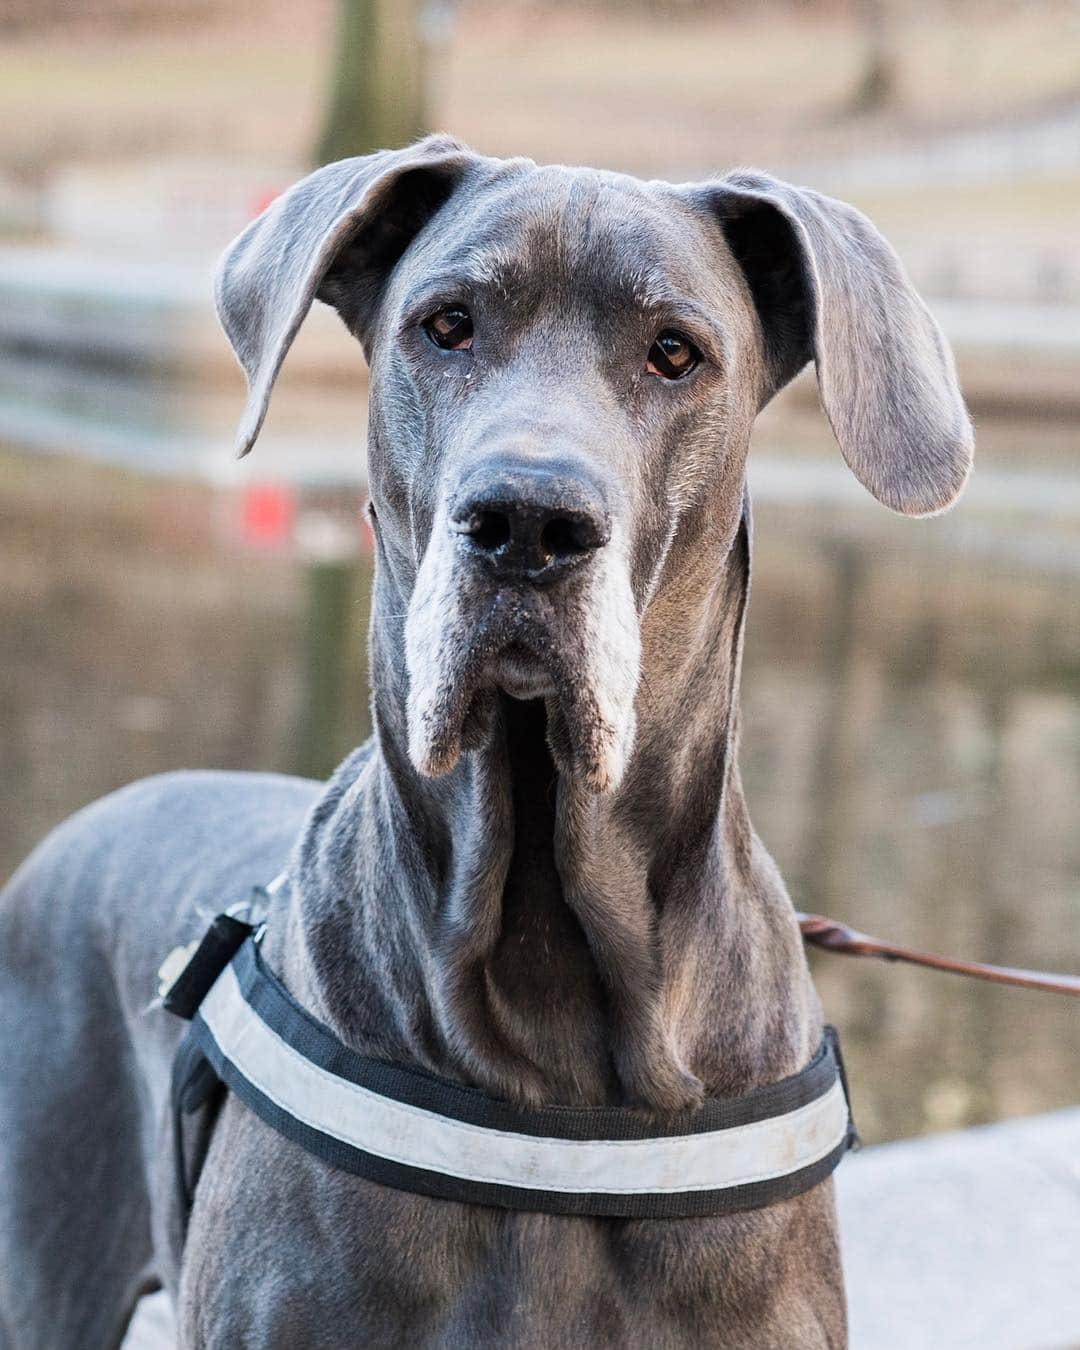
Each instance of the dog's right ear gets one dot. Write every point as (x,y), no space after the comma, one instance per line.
(336,234)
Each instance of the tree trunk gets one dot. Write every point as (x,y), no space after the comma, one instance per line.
(877,85)
(334,717)
(377,98)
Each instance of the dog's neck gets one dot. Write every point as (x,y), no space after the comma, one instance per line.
(544,942)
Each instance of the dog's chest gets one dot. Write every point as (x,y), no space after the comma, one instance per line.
(284,1251)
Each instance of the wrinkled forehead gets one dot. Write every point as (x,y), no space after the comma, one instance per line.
(578,237)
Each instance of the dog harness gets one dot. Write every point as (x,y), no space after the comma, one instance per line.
(409,1129)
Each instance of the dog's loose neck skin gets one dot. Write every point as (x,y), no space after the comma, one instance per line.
(544,942)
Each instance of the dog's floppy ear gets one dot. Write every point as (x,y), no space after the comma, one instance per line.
(336,234)
(827,286)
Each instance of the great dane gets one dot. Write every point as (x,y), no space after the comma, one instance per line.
(538,877)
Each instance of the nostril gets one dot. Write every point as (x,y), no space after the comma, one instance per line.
(520,533)
(490,530)
(563,537)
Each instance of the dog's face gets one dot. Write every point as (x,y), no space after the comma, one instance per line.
(565,366)
(557,363)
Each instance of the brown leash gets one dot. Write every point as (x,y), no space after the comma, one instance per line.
(837,937)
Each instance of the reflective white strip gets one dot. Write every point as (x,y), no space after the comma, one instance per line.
(417,1138)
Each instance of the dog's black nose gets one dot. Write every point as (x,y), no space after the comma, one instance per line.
(529,524)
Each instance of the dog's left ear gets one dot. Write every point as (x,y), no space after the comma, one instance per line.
(336,234)
(827,286)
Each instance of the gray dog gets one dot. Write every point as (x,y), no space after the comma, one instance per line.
(538,877)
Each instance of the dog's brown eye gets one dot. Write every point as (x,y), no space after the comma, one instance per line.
(450,328)
(672,355)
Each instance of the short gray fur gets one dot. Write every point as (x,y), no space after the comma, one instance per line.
(556,896)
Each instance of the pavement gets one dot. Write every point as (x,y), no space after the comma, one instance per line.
(969,1239)
(963,1241)
(77,305)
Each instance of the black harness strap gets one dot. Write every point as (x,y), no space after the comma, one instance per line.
(196,1090)
(202,1065)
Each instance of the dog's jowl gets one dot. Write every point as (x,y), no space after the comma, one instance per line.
(538,879)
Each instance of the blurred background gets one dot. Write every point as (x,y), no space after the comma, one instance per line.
(912,689)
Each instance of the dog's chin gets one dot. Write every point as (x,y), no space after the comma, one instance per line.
(515,671)
(588,748)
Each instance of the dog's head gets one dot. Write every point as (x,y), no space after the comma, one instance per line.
(565,366)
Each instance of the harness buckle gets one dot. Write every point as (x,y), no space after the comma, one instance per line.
(189,973)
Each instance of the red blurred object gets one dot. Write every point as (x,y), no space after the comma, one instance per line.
(367,535)
(262,200)
(267,514)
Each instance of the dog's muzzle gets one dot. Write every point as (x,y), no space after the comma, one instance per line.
(524,587)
